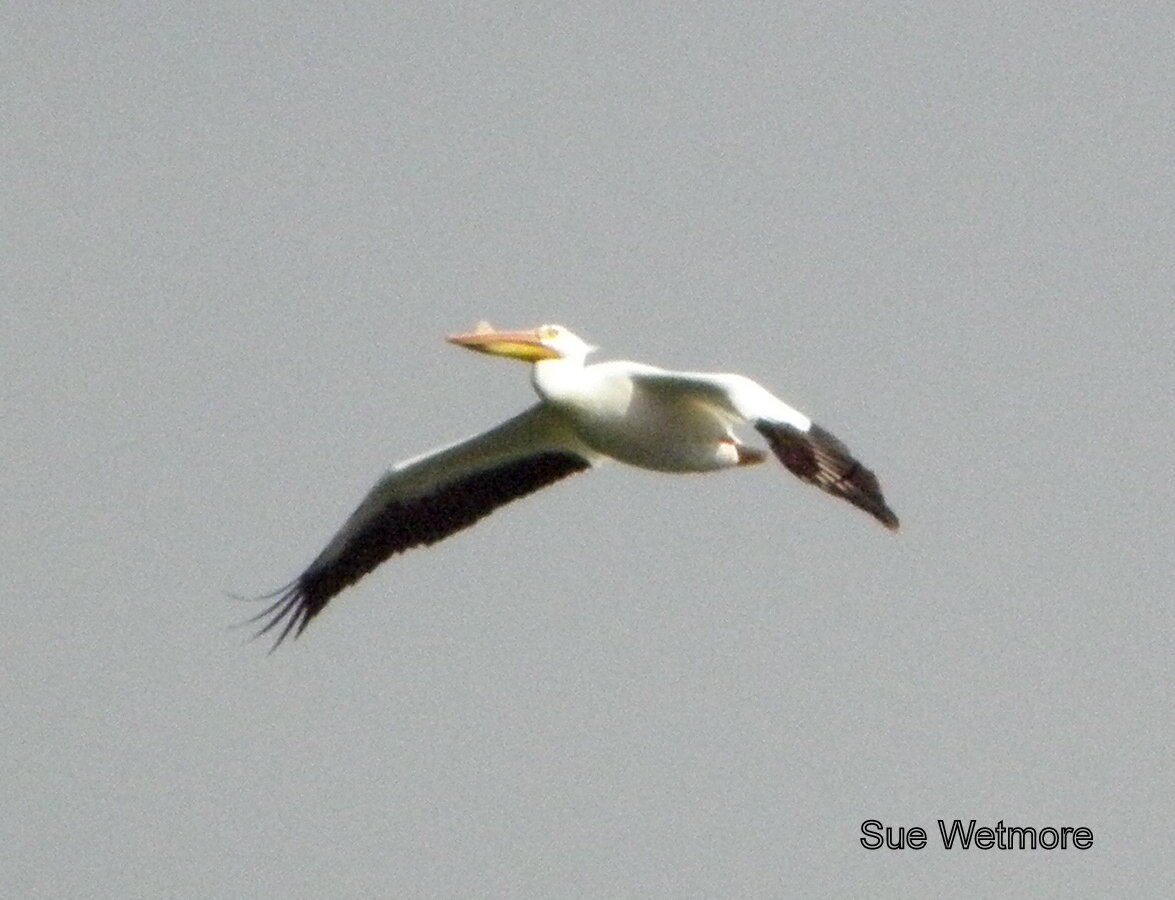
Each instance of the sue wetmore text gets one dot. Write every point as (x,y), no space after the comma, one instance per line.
(966,835)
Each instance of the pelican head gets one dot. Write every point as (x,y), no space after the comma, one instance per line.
(535,345)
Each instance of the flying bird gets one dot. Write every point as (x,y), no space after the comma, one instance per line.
(626,411)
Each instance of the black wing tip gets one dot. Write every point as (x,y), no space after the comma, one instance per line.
(869,500)
(291,612)
(403,525)
(883,514)
(820,458)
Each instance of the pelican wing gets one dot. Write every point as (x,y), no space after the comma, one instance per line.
(425,499)
(820,459)
(806,449)
(736,396)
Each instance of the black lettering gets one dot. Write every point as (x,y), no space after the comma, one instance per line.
(956,834)
(871,834)
(1027,838)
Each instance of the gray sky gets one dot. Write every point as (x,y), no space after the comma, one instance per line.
(233,242)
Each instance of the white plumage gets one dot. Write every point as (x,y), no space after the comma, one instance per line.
(629,412)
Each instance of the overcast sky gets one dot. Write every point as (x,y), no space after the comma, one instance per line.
(232,244)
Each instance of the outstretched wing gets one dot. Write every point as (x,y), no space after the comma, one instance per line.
(820,459)
(426,499)
(806,449)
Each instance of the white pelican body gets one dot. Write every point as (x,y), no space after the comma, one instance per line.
(656,419)
(626,411)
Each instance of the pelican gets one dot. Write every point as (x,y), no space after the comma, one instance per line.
(626,411)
